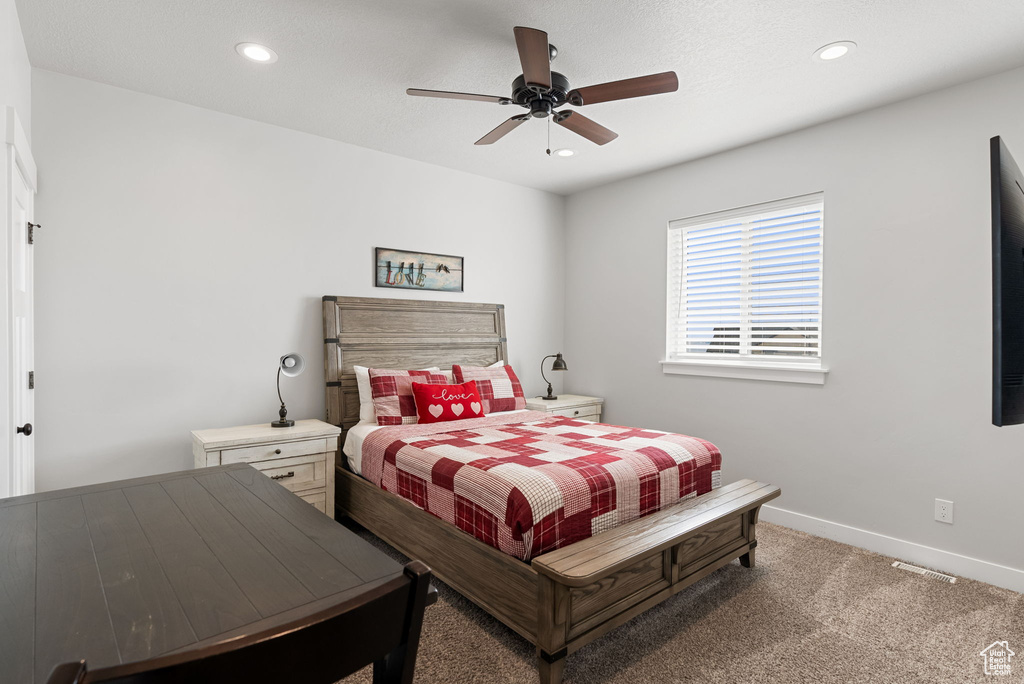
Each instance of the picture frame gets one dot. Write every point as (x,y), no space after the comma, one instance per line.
(411,270)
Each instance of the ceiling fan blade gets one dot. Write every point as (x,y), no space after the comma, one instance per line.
(447,94)
(503,129)
(534,56)
(589,129)
(666,82)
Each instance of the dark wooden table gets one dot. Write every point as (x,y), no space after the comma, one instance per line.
(123,571)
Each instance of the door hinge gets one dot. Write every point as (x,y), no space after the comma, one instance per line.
(31,379)
(32,232)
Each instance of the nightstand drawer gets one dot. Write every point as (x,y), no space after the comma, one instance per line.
(581,412)
(264,452)
(317,499)
(296,474)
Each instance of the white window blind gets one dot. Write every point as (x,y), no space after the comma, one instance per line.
(745,285)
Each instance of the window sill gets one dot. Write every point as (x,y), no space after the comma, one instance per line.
(773,372)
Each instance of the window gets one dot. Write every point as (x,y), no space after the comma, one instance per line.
(744,292)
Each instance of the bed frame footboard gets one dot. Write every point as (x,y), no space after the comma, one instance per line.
(593,586)
(569,597)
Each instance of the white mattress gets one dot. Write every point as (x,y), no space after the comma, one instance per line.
(353,447)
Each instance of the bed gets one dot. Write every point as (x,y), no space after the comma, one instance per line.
(559,599)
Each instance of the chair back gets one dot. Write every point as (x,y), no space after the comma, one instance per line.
(380,626)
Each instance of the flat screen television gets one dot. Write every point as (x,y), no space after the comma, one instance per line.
(1007,287)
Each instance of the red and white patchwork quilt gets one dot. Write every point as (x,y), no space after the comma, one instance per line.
(528,483)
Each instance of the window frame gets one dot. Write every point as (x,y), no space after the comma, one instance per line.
(805,370)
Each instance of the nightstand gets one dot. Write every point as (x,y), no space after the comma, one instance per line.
(301,457)
(570,405)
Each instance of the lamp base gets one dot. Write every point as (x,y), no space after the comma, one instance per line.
(283,413)
(548,398)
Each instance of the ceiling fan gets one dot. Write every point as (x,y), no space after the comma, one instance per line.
(542,91)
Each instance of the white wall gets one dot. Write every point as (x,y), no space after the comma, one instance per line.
(905,415)
(186,250)
(15,72)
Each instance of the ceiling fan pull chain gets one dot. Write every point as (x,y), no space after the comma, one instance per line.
(549,136)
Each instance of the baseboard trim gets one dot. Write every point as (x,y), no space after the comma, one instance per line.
(945,561)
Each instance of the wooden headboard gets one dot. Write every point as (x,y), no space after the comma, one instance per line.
(402,333)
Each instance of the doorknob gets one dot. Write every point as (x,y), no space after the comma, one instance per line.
(26,429)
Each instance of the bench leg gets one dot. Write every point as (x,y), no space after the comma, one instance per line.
(550,670)
(747,559)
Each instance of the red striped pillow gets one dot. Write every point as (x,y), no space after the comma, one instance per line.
(498,387)
(393,400)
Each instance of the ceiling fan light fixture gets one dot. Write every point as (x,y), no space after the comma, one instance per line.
(541,92)
(563,152)
(256,53)
(835,50)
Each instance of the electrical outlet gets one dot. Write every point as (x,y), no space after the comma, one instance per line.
(944,511)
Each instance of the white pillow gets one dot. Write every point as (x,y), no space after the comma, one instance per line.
(366,412)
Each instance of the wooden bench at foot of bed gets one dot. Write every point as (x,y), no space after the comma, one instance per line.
(569,597)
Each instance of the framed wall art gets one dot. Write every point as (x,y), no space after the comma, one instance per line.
(407,270)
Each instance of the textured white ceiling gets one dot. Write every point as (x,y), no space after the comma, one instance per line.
(745,68)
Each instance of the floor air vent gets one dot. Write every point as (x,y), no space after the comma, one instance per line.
(927,573)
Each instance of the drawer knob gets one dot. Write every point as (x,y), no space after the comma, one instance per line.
(575,413)
(290,473)
(277,451)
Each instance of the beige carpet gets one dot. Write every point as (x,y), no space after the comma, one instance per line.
(812,610)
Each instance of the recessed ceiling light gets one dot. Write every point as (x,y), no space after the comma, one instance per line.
(835,50)
(564,152)
(256,52)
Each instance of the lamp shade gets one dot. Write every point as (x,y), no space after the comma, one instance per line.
(559,363)
(292,365)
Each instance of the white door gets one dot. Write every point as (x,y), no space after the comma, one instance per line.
(20,176)
(22,404)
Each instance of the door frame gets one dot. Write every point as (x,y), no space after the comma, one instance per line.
(18,478)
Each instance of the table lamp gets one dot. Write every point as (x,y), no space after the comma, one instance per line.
(291,365)
(557,365)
